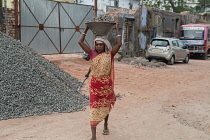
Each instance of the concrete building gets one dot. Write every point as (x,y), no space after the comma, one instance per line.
(102,4)
(140,25)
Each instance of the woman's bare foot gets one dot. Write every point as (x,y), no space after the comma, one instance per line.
(106,129)
(105,132)
(105,126)
(93,129)
(93,139)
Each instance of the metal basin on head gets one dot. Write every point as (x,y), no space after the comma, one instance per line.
(101,28)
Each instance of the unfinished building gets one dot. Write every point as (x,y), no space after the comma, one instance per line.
(139,25)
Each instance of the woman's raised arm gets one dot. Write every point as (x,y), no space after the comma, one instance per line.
(81,41)
(119,41)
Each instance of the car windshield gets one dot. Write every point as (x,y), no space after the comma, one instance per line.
(192,34)
(160,42)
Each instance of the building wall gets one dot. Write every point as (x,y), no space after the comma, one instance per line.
(149,23)
(10,10)
(102,4)
(10,22)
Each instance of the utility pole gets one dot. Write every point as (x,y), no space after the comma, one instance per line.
(140,25)
(95,8)
(140,13)
(139,10)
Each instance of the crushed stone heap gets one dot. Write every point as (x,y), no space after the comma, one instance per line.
(32,85)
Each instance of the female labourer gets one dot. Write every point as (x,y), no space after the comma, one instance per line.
(101,88)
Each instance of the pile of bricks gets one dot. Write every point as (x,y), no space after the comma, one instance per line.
(114,12)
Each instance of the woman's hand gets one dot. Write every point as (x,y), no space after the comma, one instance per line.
(86,29)
(117,28)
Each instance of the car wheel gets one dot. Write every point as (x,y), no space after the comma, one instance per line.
(171,61)
(204,56)
(186,60)
(150,60)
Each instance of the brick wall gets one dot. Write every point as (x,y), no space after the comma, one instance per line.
(10,22)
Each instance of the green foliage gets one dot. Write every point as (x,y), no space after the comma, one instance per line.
(130,5)
(203,6)
(172,5)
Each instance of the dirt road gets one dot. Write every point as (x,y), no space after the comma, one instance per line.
(170,103)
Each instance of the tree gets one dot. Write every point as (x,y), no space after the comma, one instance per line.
(172,5)
(203,6)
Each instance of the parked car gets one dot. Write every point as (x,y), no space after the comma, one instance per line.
(168,49)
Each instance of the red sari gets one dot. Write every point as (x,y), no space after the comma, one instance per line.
(102,97)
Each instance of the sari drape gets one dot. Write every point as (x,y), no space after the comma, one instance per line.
(102,97)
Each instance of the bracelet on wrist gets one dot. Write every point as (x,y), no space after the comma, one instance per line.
(118,35)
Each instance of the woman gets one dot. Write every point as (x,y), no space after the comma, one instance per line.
(102,97)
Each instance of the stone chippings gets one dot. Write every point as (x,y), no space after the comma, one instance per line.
(32,85)
(102,18)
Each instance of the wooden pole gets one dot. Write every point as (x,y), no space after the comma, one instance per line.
(95,8)
(95,15)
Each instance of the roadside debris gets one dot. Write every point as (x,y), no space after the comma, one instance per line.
(140,61)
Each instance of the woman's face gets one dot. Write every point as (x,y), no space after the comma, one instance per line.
(100,47)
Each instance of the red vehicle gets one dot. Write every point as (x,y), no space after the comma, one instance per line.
(197,38)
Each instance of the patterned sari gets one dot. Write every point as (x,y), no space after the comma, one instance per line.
(102,97)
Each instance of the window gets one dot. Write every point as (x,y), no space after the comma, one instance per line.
(128,30)
(192,33)
(181,45)
(158,42)
(175,43)
(209,34)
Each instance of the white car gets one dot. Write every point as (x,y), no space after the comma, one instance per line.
(167,49)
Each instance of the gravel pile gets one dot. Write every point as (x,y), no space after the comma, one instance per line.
(102,18)
(32,85)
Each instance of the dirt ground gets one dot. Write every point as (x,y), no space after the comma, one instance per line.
(169,103)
